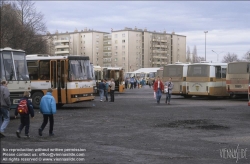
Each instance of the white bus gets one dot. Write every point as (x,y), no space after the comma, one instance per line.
(237,79)
(207,79)
(178,73)
(117,74)
(70,77)
(149,74)
(13,69)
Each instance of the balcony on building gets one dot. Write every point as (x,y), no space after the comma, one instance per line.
(164,40)
(61,46)
(62,52)
(160,51)
(62,41)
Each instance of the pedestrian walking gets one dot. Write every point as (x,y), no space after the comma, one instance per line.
(158,89)
(132,82)
(48,109)
(25,117)
(106,89)
(135,82)
(168,89)
(126,83)
(5,104)
(112,90)
(101,89)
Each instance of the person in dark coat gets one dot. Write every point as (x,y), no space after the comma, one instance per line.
(25,118)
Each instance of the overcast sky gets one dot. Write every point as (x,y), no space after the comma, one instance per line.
(227,22)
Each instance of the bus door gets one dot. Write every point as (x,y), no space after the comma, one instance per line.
(53,79)
(61,82)
(218,90)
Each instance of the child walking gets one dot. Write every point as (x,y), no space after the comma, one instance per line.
(24,118)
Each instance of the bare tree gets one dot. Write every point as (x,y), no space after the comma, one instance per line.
(195,58)
(246,56)
(188,59)
(22,27)
(230,58)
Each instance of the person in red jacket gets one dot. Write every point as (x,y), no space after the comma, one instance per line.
(158,89)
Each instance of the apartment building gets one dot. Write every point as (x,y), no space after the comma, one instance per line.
(136,48)
(128,48)
(83,43)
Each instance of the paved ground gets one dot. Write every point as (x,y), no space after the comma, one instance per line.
(134,129)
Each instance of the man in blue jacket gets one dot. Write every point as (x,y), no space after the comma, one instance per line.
(47,108)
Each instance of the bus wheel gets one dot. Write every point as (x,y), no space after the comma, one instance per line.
(36,98)
(59,105)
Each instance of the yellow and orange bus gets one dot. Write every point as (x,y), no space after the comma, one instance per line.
(70,77)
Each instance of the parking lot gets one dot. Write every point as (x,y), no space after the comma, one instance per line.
(135,129)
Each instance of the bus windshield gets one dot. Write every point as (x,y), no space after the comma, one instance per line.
(238,68)
(21,66)
(14,71)
(151,74)
(81,70)
(198,71)
(173,71)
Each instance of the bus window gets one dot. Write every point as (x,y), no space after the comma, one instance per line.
(44,69)
(224,73)
(33,69)
(248,65)
(218,72)
(1,68)
(20,66)
(8,66)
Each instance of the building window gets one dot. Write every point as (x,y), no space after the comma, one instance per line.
(136,34)
(136,41)
(116,47)
(123,41)
(116,41)
(97,36)
(97,42)
(123,35)
(97,54)
(116,53)
(123,47)
(123,52)
(115,35)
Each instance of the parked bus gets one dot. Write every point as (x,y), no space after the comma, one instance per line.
(237,79)
(117,74)
(178,73)
(13,69)
(70,78)
(160,72)
(149,74)
(207,79)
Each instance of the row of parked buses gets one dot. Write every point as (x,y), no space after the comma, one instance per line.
(116,73)
(209,79)
(71,78)
(148,74)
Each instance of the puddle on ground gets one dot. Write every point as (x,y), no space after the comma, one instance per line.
(192,124)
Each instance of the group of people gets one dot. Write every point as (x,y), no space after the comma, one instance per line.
(47,108)
(104,87)
(160,88)
(134,82)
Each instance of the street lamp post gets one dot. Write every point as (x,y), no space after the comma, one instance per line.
(217,55)
(205,45)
